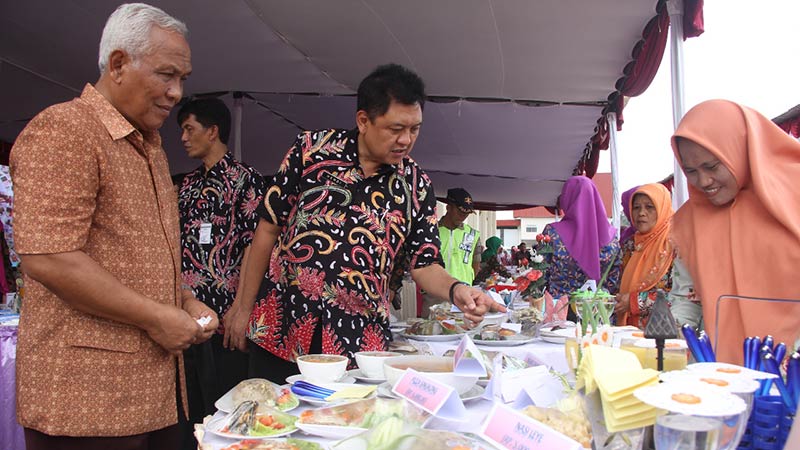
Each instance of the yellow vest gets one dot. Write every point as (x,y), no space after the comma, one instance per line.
(458,249)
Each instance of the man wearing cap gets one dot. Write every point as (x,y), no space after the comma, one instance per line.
(458,242)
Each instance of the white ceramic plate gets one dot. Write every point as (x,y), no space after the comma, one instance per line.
(346,379)
(385,390)
(504,343)
(225,403)
(558,336)
(329,431)
(358,375)
(398,326)
(215,426)
(433,337)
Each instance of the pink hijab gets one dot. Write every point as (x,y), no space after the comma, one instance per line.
(584,228)
(750,247)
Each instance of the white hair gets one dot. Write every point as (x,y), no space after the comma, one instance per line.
(128,29)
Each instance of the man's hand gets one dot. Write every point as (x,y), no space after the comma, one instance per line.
(197,310)
(474,303)
(174,329)
(235,322)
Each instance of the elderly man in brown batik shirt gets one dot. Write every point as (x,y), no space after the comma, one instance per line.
(96,220)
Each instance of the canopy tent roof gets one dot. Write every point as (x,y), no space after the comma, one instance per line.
(517,86)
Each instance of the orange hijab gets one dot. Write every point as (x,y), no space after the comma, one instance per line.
(653,253)
(750,247)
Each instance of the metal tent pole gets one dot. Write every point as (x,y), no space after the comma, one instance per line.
(616,199)
(680,192)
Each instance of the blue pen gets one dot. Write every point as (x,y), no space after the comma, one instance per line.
(692,342)
(780,353)
(755,344)
(793,376)
(771,366)
(765,350)
(705,346)
(769,341)
(746,350)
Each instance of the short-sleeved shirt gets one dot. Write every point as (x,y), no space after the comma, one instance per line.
(340,235)
(86,180)
(224,201)
(564,275)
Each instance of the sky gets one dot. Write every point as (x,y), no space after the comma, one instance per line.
(749,53)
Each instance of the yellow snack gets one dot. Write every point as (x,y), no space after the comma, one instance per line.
(687,399)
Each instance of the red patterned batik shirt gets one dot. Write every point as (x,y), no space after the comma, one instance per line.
(340,236)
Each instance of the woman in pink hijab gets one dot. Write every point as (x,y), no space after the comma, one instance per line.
(739,232)
(584,242)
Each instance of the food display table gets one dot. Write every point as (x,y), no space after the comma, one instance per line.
(536,352)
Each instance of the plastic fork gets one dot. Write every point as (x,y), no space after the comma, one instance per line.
(311,390)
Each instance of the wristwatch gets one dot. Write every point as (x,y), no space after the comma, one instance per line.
(453,287)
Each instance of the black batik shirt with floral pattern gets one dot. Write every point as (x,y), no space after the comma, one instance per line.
(340,236)
(226,196)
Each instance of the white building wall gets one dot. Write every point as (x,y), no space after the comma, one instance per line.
(531,226)
(510,237)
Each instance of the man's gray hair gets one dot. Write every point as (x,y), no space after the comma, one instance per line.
(128,29)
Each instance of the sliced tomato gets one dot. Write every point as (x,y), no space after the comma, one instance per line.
(266,420)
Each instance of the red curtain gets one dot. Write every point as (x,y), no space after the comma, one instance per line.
(693,25)
(639,73)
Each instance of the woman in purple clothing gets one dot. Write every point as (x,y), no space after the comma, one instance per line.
(584,242)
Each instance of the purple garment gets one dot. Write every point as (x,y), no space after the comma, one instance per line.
(11,434)
(627,232)
(584,228)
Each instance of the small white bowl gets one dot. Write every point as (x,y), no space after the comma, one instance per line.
(322,368)
(494,319)
(371,363)
(439,368)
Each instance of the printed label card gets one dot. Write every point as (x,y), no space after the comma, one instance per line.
(514,382)
(493,388)
(467,359)
(512,430)
(437,398)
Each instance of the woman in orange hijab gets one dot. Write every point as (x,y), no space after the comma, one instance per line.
(739,232)
(647,258)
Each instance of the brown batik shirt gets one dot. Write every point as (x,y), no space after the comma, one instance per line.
(85,179)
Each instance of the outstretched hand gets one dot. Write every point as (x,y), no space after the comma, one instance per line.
(474,303)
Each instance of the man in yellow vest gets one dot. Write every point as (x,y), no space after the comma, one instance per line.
(458,242)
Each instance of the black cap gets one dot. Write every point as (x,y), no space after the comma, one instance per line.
(460,198)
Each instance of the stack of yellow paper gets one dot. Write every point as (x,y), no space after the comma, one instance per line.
(617,373)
